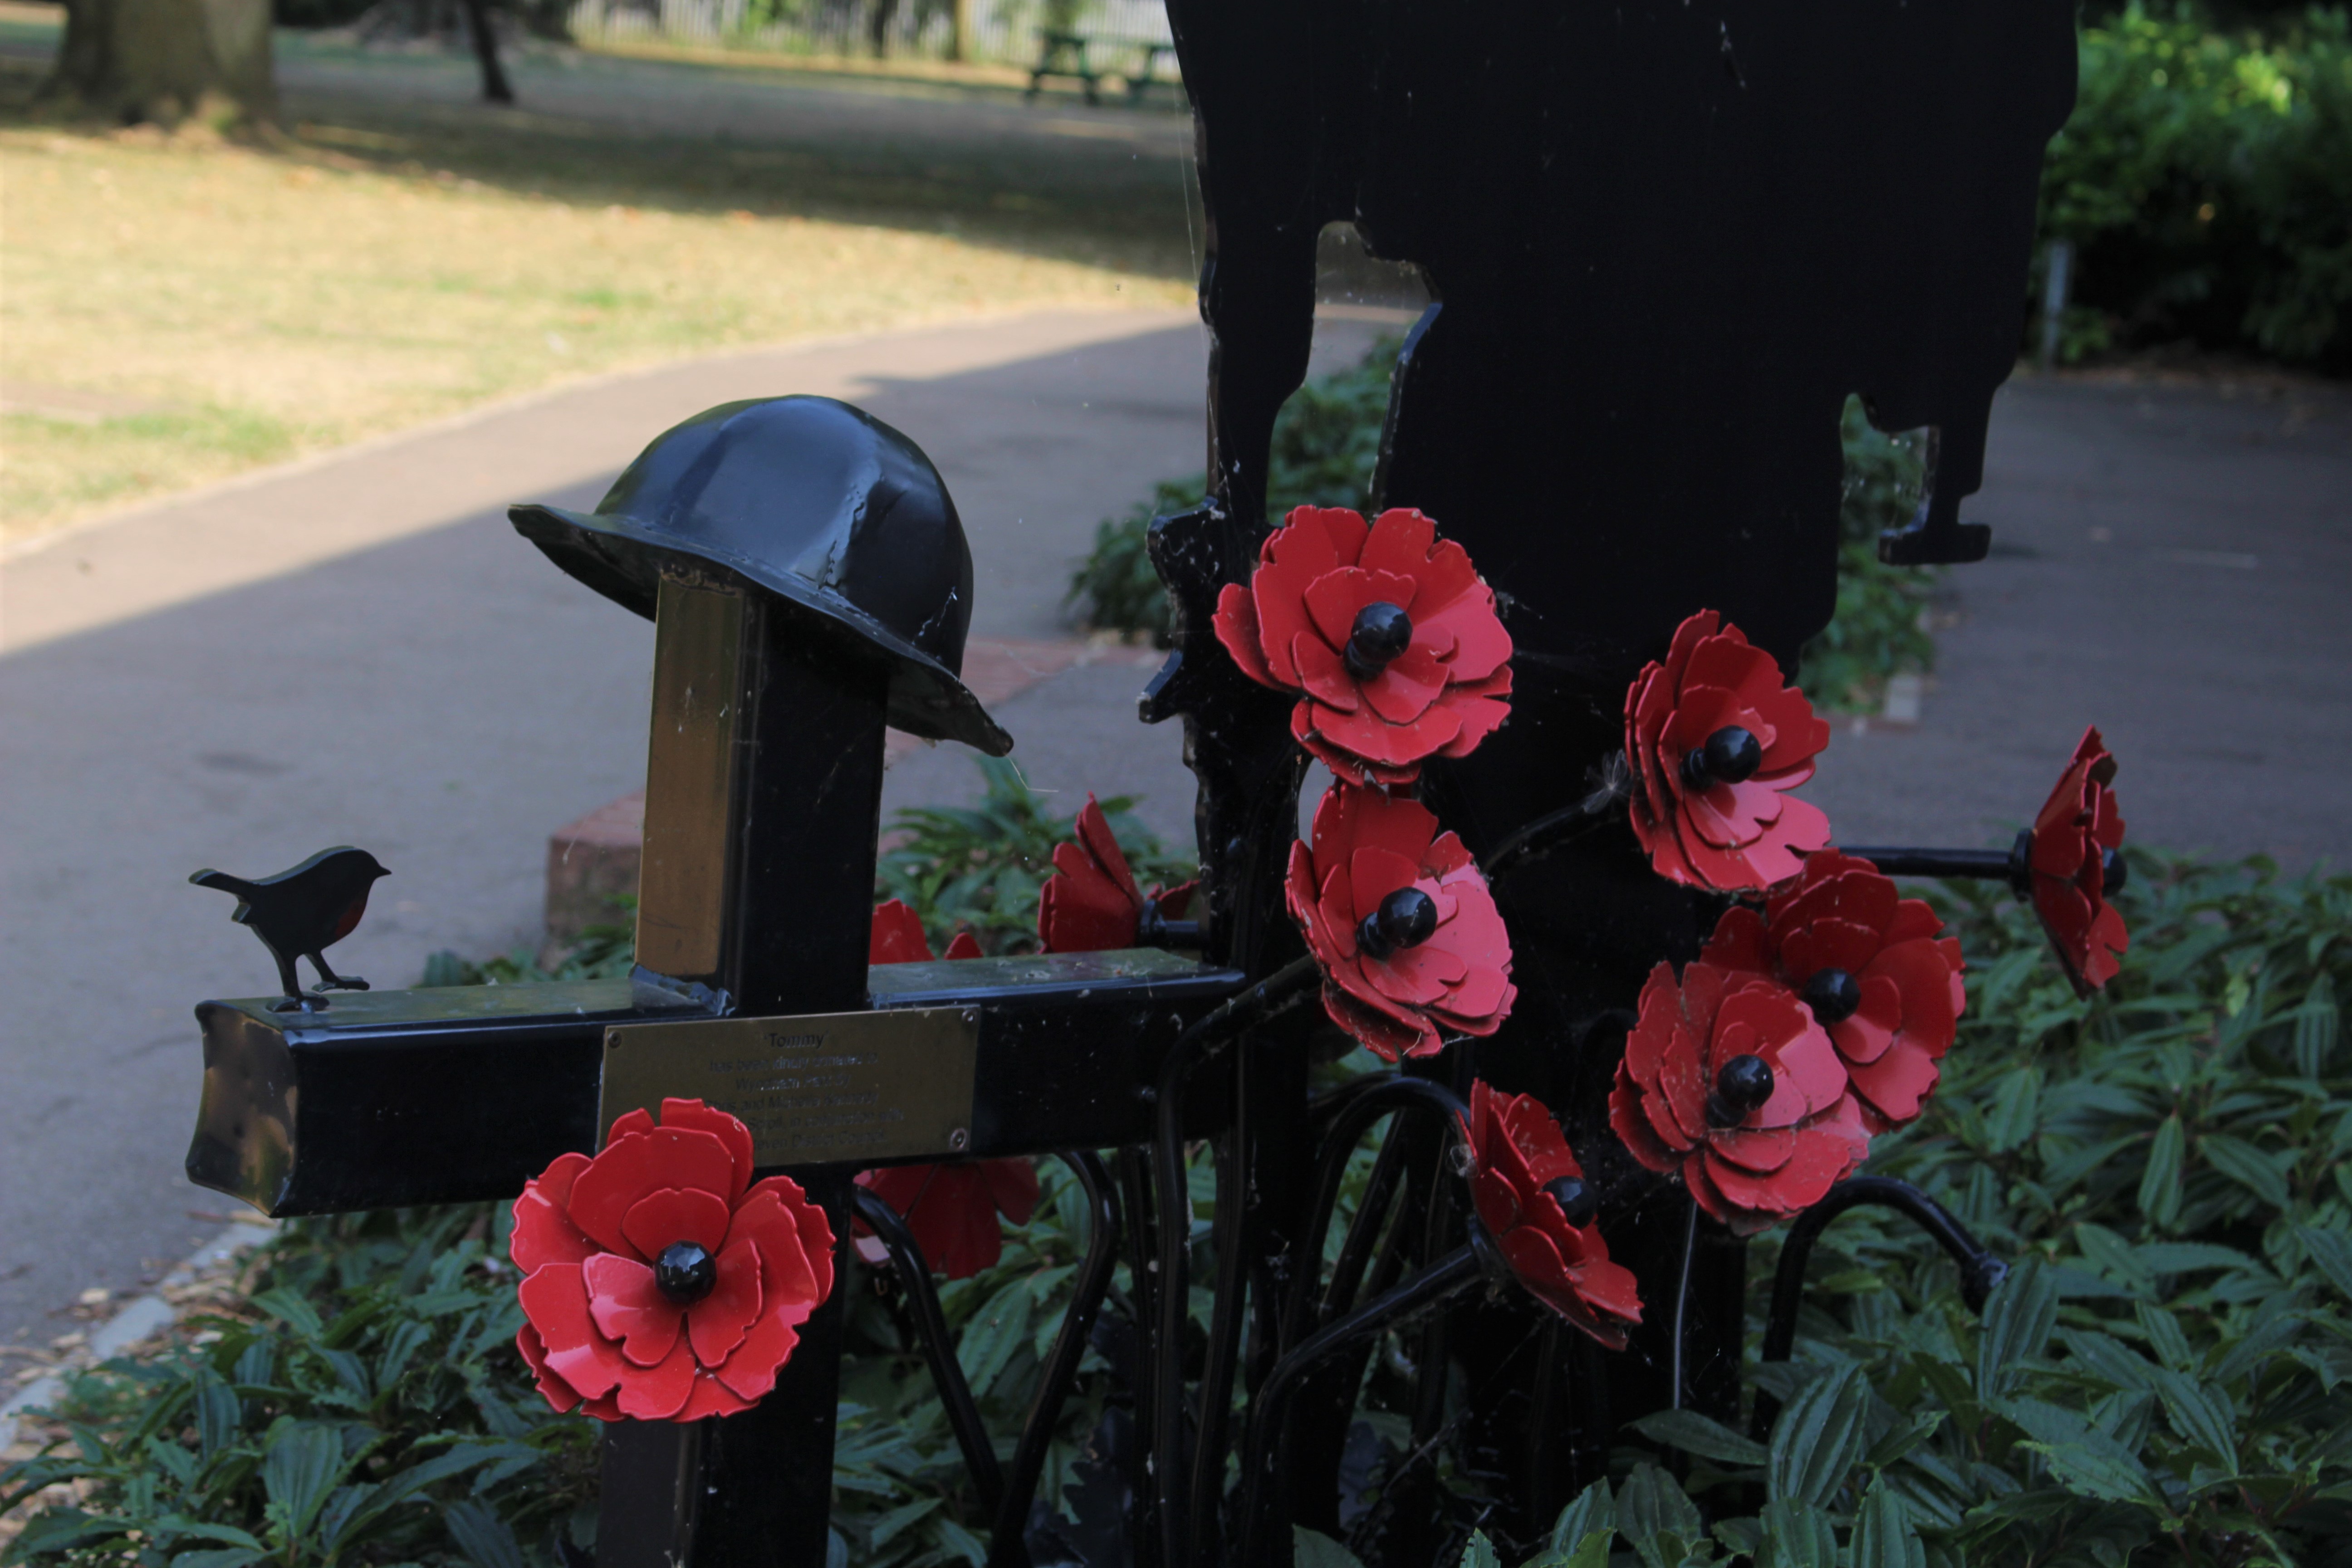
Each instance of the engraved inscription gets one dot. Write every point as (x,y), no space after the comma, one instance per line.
(814,1091)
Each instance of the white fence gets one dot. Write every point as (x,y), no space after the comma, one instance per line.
(1006,31)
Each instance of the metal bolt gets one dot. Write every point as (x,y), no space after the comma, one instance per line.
(957,1138)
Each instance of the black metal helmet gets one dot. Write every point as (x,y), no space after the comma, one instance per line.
(821,506)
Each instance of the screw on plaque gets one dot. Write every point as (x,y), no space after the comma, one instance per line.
(302,911)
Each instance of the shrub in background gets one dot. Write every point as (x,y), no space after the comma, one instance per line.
(2205,180)
(1327,443)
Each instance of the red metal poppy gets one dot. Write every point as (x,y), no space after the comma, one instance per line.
(1402,923)
(897,937)
(1531,1195)
(1729,1082)
(1869,964)
(1091,903)
(658,1281)
(1715,741)
(952,1208)
(1385,631)
(2076,860)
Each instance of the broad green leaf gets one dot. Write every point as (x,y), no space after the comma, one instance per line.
(886,1526)
(2333,1254)
(1796,1537)
(1905,1436)
(1652,1504)
(2200,1418)
(488,1541)
(2015,1105)
(2315,1027)
(301,1467)
(217,1557)
(2017,1324)
(1312,1550)
(1694,1433)
(2248,1166)
(2107,1357)
(1883,1535)
(1817,1439)
(2191,1257)
(219,1414)
(1594,1511)
(1477,1552)
(2085,1461)
(2164,1337)
(296,1313)
(2159,1181)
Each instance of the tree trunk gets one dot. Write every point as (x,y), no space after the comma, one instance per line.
(485,50)
(167,60)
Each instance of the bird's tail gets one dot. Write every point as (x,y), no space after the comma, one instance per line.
(208,877)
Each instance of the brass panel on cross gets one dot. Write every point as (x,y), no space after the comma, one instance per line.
(823,1088)
(691,777)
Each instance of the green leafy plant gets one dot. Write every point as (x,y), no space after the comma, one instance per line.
(978,868)
(368,1407)
(604,951)
(2167,1376)
(2205,180)
(1327,443)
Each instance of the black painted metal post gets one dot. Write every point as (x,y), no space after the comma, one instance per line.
(764,786)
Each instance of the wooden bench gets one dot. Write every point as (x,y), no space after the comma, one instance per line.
(1063,55)
(1144,77)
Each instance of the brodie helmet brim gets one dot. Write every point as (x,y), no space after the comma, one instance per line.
(623,561)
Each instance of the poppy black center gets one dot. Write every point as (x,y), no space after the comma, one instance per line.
(1833,995)
(685,1272)
(2113,873)
(1406,918)
(1575,1198)
(1744,1083)
(1731,755)
(1381,632)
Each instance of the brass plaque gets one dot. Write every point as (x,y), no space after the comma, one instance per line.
(821,1088)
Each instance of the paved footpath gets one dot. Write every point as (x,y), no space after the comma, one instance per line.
(360,650)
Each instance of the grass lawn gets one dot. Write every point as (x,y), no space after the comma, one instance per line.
(176,310)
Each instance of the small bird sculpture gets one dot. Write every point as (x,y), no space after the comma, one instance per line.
(300,913)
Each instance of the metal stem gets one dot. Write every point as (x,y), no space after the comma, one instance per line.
(1452,1275)
(1545,833)
(1164,1353)
(1010,1548)
(1681,1298)
(1993,865)
(915,1274)
(1980,1271)
(1213,1411)
(1384,1097)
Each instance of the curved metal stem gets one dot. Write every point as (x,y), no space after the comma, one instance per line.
(1214,1405)
(1278,991)
(1681,1298)
(1458,1272)
(1384,1097)
(955,1393)
(1545,833)
(1980,1271)
(1010,1547)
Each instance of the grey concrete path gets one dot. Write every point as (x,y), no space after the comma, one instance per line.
(358,649)
(2171,564)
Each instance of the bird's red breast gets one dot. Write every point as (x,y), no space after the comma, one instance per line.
(349,921)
